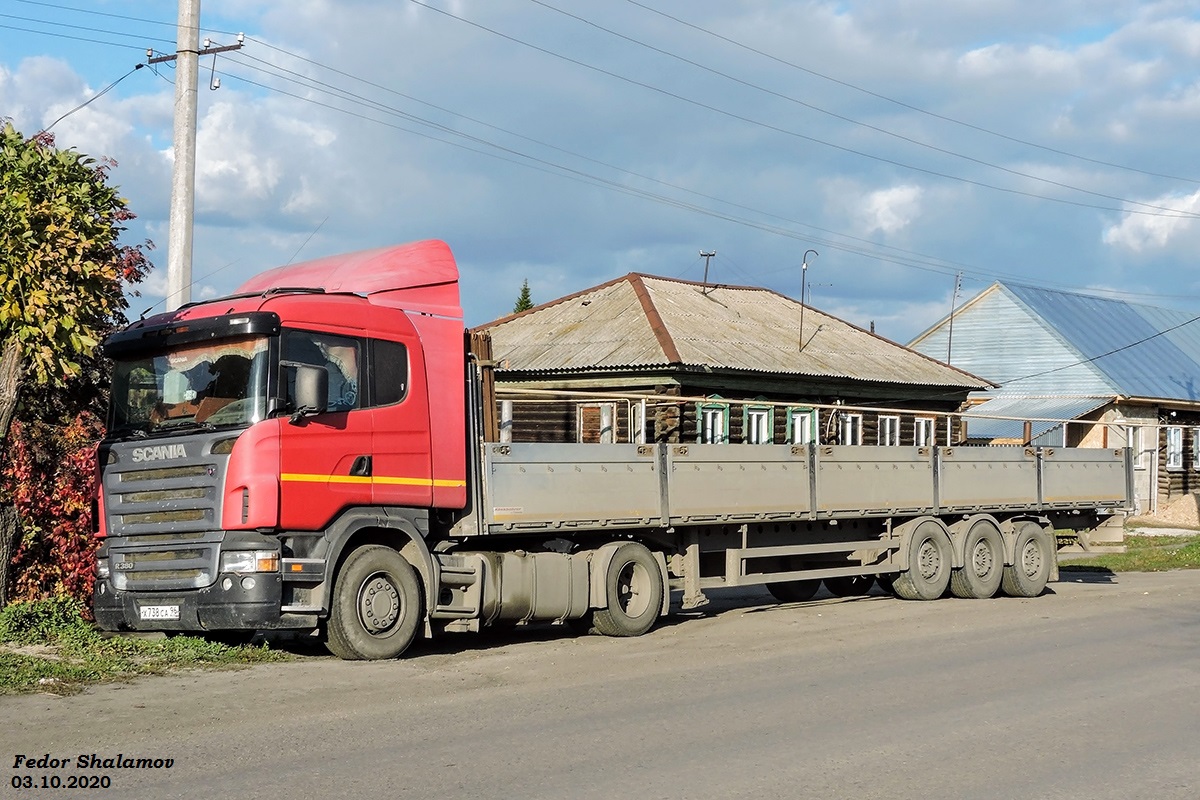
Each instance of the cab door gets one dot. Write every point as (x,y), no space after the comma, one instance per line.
(325,459)
(402,463)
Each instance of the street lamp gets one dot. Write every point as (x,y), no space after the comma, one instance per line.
(803,286)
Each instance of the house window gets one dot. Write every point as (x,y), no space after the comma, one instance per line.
(1195,448)
(924,432)
(714,424)
(1174,447)
(889,431)
(851,429)
(596,424)
(1137,442)
(802,422)
(757,425)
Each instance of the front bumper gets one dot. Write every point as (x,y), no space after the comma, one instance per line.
(213,608)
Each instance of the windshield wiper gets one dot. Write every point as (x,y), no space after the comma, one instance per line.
(130,431)
(186,425)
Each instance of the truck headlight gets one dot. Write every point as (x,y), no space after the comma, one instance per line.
(250,561)
(102,568)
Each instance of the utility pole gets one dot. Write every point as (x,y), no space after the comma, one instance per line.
(953,305)
(707,257)
(803,288)
(183,176)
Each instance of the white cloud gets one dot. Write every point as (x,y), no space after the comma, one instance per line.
(891,210)
(1142,232)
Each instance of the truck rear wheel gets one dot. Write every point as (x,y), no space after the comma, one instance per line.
(929,564)
(1033,557)
(983,563)
(850,585)
(794,591)
(635,593)
(376,608)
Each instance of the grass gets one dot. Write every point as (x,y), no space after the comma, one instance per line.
(1143,554)
(48,646)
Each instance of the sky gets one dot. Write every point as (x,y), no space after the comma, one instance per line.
(907,143)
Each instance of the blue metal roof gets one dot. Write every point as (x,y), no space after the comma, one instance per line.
(1143,350)
(1039,410)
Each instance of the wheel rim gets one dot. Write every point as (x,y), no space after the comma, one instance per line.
(379,604)
(633,590)
(1031,559)
(929,560)
(983,559)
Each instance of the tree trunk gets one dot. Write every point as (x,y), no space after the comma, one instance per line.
(10,533)
(10,387)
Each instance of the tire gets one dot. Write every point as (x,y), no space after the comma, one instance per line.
(983,563)
(929,564)
(1033,557)
(794,591)
(634,587)
(376,609)
(850,585)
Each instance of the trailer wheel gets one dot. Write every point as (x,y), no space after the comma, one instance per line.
(635,593)
(376,608)
(794,591)
(929,564)
(983,563)
(850,585)
(1033,557)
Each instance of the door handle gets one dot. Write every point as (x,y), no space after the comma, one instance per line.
(361,467)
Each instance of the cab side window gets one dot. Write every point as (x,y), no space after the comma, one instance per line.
(389,372)
(341,356)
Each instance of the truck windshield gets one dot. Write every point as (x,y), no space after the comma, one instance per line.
(215,383)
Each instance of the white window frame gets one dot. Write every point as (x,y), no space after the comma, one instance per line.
(803,424)
(1174,447)
(889,431)
(925,432)
(758,425)
(1137,443)
(851,429)
(712,421)
(1195,448)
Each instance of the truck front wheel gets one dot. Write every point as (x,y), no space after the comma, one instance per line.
(635,593)
(376,608)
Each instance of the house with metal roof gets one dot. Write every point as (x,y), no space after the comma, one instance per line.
(712,363)
(1127,374)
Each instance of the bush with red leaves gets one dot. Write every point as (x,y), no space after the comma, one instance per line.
(50,474)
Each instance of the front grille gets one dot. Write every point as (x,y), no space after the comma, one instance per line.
(170,497)
(139,564)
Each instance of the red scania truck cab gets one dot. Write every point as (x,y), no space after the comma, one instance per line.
(251,438)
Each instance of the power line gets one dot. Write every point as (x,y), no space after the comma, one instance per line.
(96,96)
(1176,213)
(843,118)
(909,106)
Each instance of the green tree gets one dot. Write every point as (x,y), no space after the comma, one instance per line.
(63,276)
(524,301)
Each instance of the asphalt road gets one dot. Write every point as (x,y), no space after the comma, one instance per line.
(1090,691)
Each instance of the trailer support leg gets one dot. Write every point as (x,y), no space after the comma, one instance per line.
(693,597)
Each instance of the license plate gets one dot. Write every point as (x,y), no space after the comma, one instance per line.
(159,612)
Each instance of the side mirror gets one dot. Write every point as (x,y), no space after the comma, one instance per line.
(311,395)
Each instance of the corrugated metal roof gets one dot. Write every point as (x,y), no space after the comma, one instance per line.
(1143,350)
(1037,409)
(646,321)
(1002,339)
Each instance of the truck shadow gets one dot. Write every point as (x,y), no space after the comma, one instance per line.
(1086,574)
